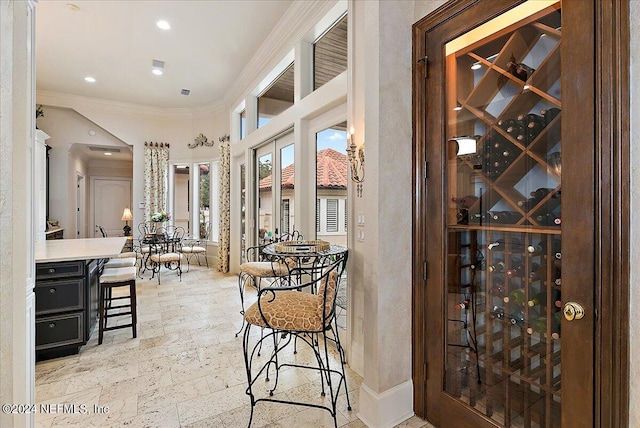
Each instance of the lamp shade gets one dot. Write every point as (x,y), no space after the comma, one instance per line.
(127,215)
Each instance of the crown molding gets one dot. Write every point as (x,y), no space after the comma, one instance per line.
(292,27)
(77,102)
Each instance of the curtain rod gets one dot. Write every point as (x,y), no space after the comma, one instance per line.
(152,144)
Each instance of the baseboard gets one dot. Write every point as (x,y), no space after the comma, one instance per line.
(387,409)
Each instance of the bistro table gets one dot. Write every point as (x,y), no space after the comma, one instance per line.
(310,256)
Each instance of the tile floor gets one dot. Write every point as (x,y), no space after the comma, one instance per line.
(185,368)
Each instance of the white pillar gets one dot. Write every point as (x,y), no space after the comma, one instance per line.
(382,110)
(17,127)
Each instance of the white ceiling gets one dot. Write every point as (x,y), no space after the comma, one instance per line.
(115,42)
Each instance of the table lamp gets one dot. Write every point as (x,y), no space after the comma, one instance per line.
(126,216)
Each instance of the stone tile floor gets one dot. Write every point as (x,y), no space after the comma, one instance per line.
(185,368)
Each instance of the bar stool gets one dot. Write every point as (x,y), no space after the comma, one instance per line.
(111,278)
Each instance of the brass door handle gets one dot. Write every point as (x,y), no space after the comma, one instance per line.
(573,311)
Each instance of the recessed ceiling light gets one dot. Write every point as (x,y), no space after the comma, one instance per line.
(90,79)
(72,7)
(108,153)
(476,66)
(157,71)
(457,108)
(163,25)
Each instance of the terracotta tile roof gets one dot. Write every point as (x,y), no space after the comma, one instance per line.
(331,172)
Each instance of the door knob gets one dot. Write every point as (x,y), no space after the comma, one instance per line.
(573,311)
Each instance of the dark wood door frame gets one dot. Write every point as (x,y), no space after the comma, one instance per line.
(611,216)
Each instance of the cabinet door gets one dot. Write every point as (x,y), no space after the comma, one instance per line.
(507,238)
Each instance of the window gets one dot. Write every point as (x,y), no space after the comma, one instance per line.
(204,193)
(181,196)
(330,53)
(277,97)
(193,199)
(285,216)
(331,184)
(332,215)
(243,124)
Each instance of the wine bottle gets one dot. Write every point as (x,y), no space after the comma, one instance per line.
(547,219)
(497,290)
(478,265)
(505,124)
(540,274)
(516,317)
(549,114)
(501,244)
(516,270)
(498,266)
(541,299)
(523,71)
(517,295)
(539,325)
(465,304)
(541,247)
(504,217)
(540,193)
(497,312)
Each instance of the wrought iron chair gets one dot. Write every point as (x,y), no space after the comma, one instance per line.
(165,250)
(289,314)
(260,266)
(197,247)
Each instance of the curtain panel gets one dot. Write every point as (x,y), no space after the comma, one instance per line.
(156,170)
(224,203)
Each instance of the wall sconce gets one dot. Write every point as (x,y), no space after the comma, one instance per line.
(466,145)
(126,216)
(356,160)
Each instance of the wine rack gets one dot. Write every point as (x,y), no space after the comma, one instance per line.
(504,223)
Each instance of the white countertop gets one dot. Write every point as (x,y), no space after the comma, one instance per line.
(58,250)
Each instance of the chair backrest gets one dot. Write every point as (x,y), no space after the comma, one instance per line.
(291,236)
(328,290)
(104,232)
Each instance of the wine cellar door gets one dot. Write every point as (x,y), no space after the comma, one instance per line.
(500,224)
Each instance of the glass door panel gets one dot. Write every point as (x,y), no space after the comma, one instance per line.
(264,166)
(503,219)
(181,196)
(204,193)
(243,212)
(287,170)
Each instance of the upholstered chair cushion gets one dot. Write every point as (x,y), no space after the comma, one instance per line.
(294,310)
(120,262)
(330,283)
(193,249)
(120,274)
(166,257)
(264,269)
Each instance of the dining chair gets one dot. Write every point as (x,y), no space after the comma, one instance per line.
(197,247)
(297,312)
(165,250)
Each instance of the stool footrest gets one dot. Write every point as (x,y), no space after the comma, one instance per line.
(117,327)
(119,313)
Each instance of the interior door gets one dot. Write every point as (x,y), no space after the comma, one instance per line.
(274,163)
(505,215)
(110,198)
